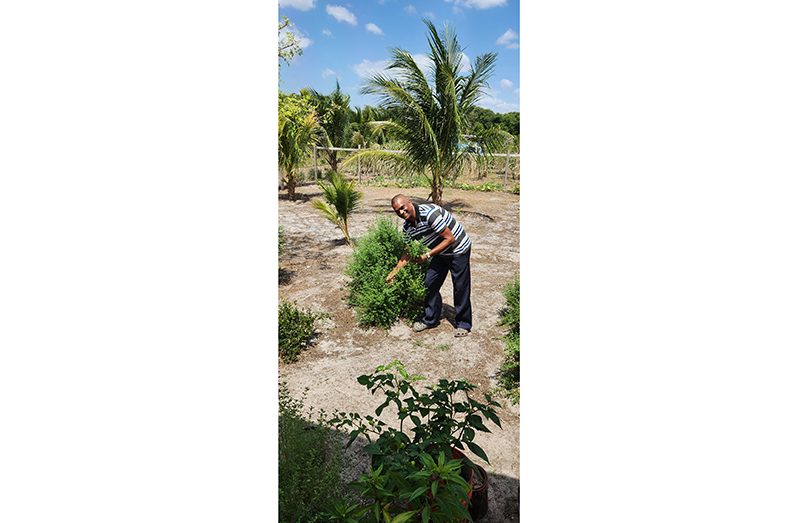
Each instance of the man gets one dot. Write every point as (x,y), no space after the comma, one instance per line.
(450,251)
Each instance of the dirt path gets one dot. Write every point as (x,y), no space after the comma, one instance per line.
(312,274)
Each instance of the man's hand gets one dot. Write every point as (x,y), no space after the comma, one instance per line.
(402,262)
(421,259)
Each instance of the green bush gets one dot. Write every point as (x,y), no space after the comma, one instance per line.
(296,330)
(280,240)
(375,302)
(510,372)
(309,463)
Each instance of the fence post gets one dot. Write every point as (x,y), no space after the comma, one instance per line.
(506,166)
(315,164)
(359,180)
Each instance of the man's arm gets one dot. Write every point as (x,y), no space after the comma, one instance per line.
(401,263)
(448,239)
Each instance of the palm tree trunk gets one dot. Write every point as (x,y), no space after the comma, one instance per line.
(437,189)
(290,183)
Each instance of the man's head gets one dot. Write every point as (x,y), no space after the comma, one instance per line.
(403,207)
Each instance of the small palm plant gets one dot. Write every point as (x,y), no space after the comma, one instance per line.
(341,199)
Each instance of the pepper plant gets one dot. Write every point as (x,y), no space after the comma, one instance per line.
(405,481)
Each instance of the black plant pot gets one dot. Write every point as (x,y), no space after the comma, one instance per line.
(479,495)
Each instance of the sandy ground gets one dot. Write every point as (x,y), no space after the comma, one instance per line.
(312,275)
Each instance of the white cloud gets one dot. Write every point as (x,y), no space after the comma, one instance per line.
(342,14)
(506,84)
(429,14)
(326,32)
(302,5)
(490,100)
(373,28)
(517,91)
(478,4)
(366,69)
(328,73)
(410,9)
(508,39)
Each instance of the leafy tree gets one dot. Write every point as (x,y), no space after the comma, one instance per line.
(288,46)
(333,111)
(297,131)
(340,201)
(429,117)
(364,133)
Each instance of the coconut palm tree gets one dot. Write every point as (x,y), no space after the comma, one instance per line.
(297,131)
(333,111)
(340,201)
(430,115)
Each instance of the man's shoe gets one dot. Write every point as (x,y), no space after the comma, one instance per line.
(419,326)
(459,333)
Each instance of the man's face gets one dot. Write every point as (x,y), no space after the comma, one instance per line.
(404,209)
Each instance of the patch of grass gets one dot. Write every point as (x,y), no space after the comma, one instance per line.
(443,347)
(296,330)
(310,462)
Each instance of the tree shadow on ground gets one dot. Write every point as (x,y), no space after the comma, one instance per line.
(304,197)
(336,243)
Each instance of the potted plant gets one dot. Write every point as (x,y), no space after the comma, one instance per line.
(419,471)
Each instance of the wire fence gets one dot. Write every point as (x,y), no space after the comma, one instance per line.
(498,168)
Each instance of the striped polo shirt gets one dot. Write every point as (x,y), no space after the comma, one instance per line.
(431,220)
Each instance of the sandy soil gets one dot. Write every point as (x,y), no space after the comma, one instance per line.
(312,275)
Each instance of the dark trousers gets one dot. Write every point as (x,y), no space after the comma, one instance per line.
(460,267)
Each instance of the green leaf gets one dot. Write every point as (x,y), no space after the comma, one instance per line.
(352,438)
(476,449)
(493,417)
(403,517)
(363,380)
(476,422)
(434,488)
(425,514)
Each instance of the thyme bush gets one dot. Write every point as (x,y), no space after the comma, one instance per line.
(377,303)
(510,372)
(296,330)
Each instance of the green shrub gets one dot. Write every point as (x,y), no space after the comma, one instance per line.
(280,240)
(296,330)
(309,463)
(375,302)
(510,372)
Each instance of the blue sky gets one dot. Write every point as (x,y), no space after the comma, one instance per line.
(349,41)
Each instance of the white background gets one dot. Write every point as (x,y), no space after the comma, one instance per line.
(138,268)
